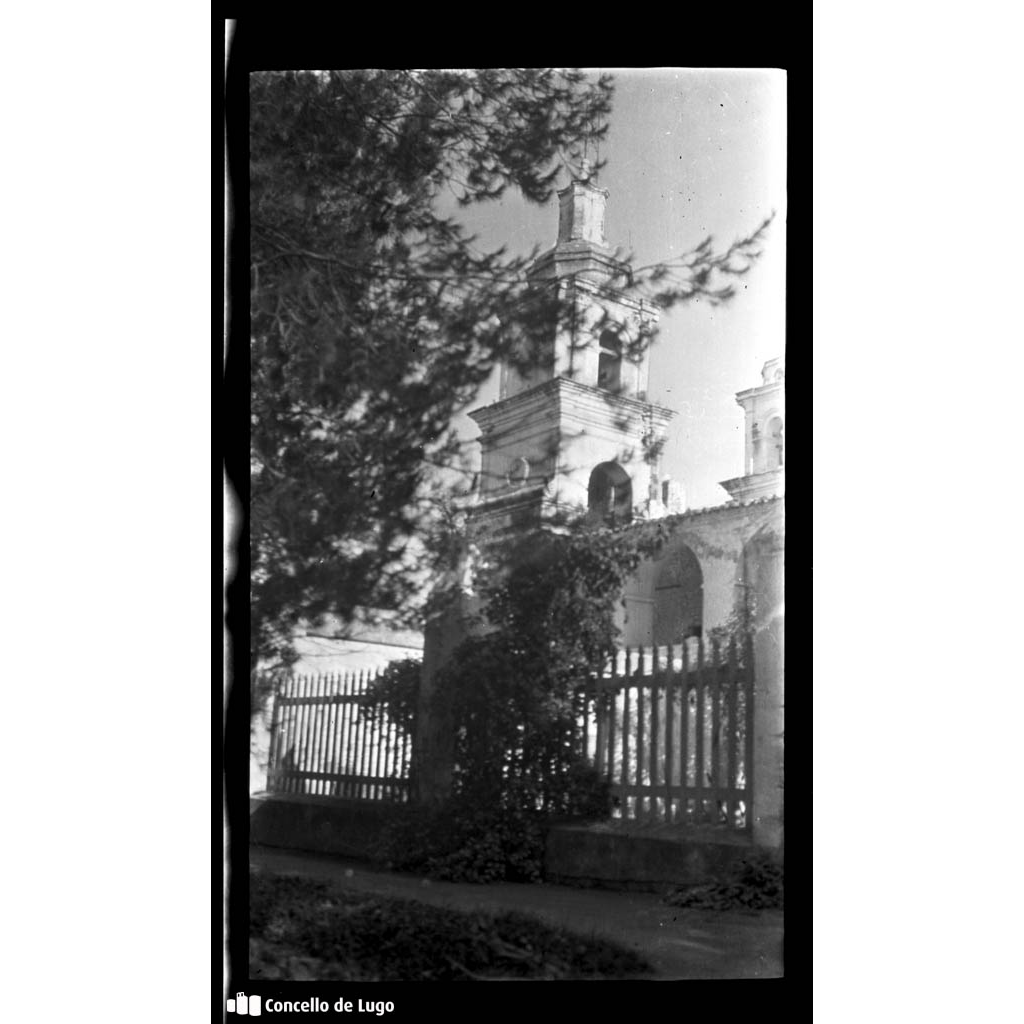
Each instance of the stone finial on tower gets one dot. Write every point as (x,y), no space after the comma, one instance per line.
(581,211)
(773,371)
(581,251)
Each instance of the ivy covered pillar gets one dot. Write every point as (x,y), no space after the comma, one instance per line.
(433,750)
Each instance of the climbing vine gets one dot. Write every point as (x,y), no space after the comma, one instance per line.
(392,695)
(548,627)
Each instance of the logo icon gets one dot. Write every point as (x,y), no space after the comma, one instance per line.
(244,1004)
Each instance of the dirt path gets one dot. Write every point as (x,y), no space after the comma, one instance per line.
(680,943)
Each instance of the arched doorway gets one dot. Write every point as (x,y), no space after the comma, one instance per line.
(678,597)
(610,492)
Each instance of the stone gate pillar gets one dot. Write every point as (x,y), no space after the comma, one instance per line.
(433,750)
(769,700)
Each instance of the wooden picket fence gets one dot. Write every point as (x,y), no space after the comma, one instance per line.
(671,729)
(328,739)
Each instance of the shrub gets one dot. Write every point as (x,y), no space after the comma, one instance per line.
(514,694)
(754,883)
(392,695)
(463,841)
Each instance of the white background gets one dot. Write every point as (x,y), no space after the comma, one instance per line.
(918,253)
(918,221)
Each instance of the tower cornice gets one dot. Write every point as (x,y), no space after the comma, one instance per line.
(589,403)
(762,389)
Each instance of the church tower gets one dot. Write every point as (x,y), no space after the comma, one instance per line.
(764,446)
(575,431)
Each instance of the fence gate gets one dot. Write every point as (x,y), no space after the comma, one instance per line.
(329,738)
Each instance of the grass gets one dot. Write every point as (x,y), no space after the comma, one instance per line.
(303,929)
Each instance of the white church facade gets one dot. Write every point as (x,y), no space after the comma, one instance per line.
(577,433)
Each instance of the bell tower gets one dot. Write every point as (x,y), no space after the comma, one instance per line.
(574,431)
(764,448)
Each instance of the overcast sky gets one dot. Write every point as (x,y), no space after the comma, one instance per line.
(689,153)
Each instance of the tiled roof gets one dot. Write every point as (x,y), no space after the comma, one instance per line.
(693,512)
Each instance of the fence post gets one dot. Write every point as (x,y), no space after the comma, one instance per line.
(613,702)
(433,746)
(716,729)
(732,804)
(624,778)
(273,756)
(671,683)
(769,697)
(642,736)
(698,740)
(301,725)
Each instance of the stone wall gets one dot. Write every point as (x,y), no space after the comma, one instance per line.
(348,828)
(620,856)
